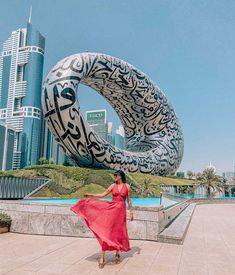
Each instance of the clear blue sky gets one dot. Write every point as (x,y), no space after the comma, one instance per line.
(186,46)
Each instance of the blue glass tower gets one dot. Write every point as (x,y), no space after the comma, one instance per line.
(21,71)
(6,147)
(119,140)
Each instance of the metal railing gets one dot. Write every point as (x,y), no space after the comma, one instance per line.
(18,188)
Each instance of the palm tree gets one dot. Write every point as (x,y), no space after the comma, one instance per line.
(210,181)
(188,189)
(144,188)
(190,174)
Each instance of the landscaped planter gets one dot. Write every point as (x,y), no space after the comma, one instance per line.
(3,229)
(5,222)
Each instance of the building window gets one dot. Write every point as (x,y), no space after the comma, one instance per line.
(16,104)
(19,76)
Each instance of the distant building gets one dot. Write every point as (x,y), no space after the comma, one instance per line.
(110,132)
(210,166)
(7,135)
(228,175)
(180,174)
(97,120)
(21,70)
(51,149)
(119,140)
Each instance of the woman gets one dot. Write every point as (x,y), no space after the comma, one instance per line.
(107,220)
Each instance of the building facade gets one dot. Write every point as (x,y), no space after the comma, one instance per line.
(229,175)
(118,138)
(21,71)
(51,149)
(54,153)
(7,135)
(98,122)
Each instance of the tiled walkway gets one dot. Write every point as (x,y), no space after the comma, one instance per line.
(209,248)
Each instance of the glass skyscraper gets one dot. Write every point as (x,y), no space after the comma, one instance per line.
(97,120)
(6,146)
(21,71)
(51,149)
(118,138)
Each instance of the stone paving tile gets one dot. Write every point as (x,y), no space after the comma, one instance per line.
(21,273)
(208,249)
(3,270)
(61,258)
(189,269)
(193,258)
(205,250)
(143,258)
(166,260)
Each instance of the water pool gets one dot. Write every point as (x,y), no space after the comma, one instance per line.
(199,196)
(147,202)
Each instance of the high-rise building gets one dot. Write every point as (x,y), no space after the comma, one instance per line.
(97,120)
(51,149)
(6,146)
(119,140)
(21,71)
(210,166)
(228,175)
(110,132)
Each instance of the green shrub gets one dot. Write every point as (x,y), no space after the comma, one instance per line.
(57,188)
(5,220)
(43,160)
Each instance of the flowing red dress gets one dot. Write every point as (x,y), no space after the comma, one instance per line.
(107,220)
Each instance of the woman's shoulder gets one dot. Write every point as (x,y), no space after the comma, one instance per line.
(111,186)
(128,186)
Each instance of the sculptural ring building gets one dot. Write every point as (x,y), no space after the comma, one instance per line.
(153,136)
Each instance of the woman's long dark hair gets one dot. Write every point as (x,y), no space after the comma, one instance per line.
(121,174)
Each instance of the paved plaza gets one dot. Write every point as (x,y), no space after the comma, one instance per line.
(209,248)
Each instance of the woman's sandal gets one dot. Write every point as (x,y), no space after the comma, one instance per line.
(117,258)
(101,263)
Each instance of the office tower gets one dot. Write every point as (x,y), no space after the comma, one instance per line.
(110,132)
(6,146)
(51,149)
(21,71)
(119,140)
(97,120)
(228,175)
(210,166)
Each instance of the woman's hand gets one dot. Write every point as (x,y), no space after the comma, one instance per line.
(87,195)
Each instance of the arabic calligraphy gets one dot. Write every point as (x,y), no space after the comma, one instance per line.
(153,136)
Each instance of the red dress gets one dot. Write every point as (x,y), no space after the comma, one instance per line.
(107,220)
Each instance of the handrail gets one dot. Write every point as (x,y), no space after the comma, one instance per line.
(18,187)
(37,189)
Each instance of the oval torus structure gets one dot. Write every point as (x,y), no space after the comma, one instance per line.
(153,136)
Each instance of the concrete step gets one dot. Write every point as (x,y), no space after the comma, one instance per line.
(176,231)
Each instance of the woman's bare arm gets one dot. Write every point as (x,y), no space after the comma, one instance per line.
(129,196)
(129,202)
(101,195)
